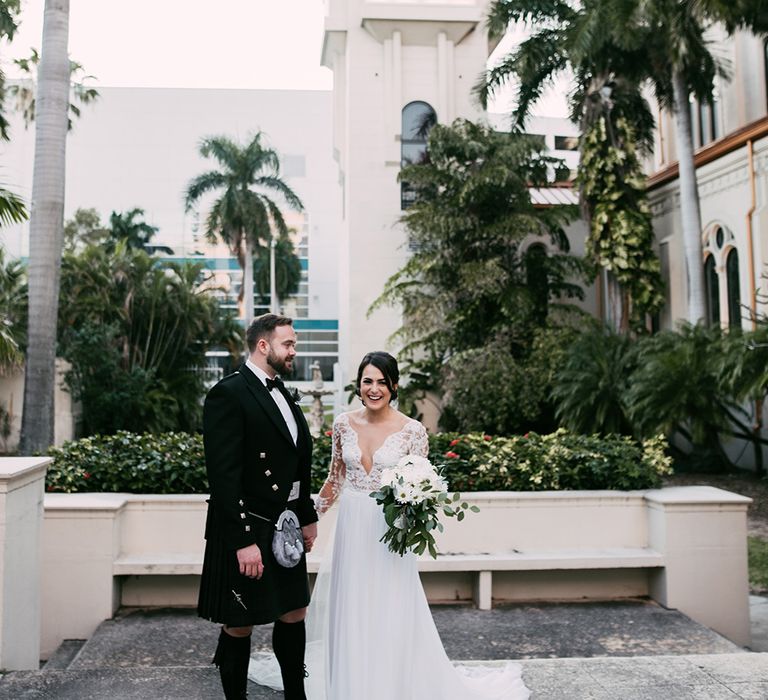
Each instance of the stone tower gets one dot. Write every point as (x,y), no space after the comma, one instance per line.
(397,65)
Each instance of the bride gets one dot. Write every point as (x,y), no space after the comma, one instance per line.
(370,633)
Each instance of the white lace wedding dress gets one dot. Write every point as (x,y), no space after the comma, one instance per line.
(370,633)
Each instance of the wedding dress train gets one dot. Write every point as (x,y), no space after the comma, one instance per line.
(370,633)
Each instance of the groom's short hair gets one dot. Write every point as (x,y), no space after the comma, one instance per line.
(263,327)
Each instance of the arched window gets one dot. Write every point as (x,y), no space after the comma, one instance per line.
(417,120)
(734,298)
(713,291)
(537,280)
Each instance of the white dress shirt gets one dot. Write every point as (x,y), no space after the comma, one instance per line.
(279,399)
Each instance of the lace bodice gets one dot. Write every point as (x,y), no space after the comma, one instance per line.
(346,459)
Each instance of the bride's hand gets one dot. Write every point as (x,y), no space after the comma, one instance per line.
(249,559)
(310,535)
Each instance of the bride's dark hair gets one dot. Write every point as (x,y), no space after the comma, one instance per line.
(386,364)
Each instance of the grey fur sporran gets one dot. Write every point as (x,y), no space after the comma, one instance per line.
(287,540)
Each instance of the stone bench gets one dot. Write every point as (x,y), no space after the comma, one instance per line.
(684,547)
(481,566)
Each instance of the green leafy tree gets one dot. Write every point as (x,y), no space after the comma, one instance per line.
(129,227)
(591,385)
(620,241)
(135,332)
(84,228)
(24,92)
(13,313)
(501,393)
(244,215)
(676,389)
(471,281)
(46,230)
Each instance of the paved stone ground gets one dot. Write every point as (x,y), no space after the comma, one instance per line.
(604,651)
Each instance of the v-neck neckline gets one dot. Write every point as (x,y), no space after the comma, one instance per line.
(377,450)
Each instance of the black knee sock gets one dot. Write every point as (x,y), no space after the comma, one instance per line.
(288,642)
(232,657)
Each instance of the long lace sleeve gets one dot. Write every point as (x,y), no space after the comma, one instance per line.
(337,473)
(420,441)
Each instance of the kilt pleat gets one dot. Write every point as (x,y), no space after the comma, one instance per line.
(228,597)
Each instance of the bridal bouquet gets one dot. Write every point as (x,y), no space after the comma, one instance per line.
(413,494)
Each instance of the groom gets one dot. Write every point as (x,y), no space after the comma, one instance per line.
(257,454)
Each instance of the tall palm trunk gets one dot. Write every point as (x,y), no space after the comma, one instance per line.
(248,280)
(689,201)
(46,229)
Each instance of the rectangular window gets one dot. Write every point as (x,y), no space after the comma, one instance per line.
(566,143)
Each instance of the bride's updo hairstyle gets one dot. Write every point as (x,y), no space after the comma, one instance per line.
(386,364)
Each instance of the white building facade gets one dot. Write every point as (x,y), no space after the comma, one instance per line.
(731,157)
(138,147)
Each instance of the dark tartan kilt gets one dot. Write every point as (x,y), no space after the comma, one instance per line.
(235,600)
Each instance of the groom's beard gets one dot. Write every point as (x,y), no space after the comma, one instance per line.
(279,365)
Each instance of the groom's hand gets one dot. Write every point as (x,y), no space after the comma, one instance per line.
(310,535)
(249,559)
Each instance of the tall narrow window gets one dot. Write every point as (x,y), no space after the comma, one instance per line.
(765,67)
(417,120)
(734,297)
(713,291)
(537,279)
(707,128)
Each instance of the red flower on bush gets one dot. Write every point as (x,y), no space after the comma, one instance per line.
(455,442)
(487,438)
(452,455)
(526,435)
(86,475)
(329,433)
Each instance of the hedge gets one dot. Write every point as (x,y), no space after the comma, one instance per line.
(174,462)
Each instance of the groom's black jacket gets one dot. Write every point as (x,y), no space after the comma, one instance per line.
(251,458)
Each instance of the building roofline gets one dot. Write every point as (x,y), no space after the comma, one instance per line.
(712,151)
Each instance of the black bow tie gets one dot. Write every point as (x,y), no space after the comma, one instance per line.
(275,383)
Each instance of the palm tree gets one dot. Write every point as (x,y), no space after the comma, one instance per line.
(244,216)
(9,12)
(46,229)
(24,92)
(287,272)
(129,228)
(659,41)
(13,210)
(615,121)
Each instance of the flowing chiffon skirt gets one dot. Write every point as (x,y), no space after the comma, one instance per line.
(370,633)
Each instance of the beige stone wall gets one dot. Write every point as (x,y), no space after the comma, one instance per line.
(686,547)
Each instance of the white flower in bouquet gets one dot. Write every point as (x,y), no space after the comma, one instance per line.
(412,494)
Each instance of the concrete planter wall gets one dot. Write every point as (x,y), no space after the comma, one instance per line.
(685,547)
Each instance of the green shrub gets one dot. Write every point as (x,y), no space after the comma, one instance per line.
(174,462)
(130,463)
(532,462)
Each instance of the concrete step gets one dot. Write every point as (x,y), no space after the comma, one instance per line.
(619,649)
(64,655)
(705,677)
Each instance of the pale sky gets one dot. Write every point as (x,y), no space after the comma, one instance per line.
(254,44)
(249,44)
